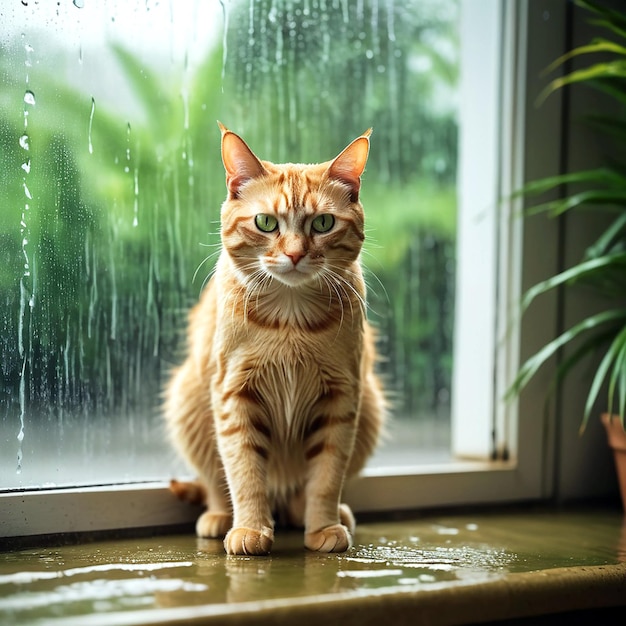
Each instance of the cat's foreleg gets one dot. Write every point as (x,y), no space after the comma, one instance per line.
(328,524)
(244,448)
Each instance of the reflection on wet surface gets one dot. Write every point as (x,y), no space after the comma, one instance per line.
(127,576)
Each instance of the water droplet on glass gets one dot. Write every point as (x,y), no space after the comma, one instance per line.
(29,97)
(24,142)
(224,41)
(136,202)
(79,4)
(93,110)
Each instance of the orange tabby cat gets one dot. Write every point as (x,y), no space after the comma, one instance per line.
(277,402)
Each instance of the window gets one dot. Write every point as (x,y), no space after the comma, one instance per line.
(114,183)
(111,187)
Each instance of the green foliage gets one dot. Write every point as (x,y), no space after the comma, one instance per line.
(603,266)
(395,213)
(125,200)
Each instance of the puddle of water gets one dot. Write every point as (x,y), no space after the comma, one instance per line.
(123,577)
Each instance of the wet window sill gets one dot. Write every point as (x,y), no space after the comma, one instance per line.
(429,570)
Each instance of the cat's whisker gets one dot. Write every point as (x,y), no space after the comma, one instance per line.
(207,278)
(264,284)
(244,289)
(338,283)
(205,260)
(369,273)
(331,286)
(347,283)
(256,287)
(373,257)
(337,287)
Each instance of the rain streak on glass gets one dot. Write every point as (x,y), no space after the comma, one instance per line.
(113,183)
(91,114)
(26,285)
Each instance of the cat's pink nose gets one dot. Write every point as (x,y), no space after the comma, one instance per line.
(294,256)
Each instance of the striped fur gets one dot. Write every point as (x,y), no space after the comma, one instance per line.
(277,402)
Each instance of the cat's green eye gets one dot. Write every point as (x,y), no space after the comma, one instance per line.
(323,223)
(266,223)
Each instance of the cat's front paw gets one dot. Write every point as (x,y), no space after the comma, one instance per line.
(212,525)
(334,538)
(243,540)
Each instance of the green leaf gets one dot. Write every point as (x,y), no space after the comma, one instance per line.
(615,374)
(606,241)
(614,17)
(615,28)
(573,273)
(611,70)
(584,198)
(534,363)
(601,176)
(594,341)
(596,46)
(610,87)
(622,393)
(601,374)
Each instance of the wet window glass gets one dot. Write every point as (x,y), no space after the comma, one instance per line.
(111,183)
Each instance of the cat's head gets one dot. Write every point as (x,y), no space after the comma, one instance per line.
(292,222)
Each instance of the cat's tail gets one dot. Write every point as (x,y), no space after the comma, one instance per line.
(193,492)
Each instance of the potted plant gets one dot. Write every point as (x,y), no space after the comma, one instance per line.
(603,265)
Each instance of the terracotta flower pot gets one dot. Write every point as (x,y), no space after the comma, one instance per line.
(617,441)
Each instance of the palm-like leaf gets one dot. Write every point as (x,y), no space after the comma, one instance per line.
(603,265)
(586,269)
(534,363)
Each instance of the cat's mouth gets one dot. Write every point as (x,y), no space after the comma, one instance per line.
(290,273)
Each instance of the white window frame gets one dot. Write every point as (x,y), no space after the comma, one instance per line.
(499,126)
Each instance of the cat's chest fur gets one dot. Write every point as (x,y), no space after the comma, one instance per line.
(289,386)
(290,369)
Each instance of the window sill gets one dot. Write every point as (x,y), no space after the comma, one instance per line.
(28,513)
(431,570)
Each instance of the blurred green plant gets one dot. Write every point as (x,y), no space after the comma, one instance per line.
(125,207)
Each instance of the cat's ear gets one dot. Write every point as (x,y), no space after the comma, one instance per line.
(240,162)
(349,165)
